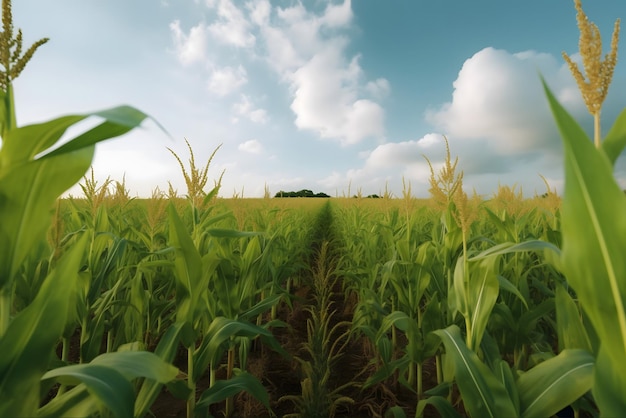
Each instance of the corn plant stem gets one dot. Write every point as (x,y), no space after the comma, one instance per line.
(191,384)
(596,129)
(229,374)
(439,368)
(468,321)
(394,333)
(411,378)
(109,342)
(65,355)
(83,332)
(5,310)
(65,351)
(212,375)
(449,286)
(420,388)
(419,365)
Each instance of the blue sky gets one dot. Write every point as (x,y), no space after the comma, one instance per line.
(322,95)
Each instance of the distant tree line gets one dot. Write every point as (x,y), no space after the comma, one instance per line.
(301,193)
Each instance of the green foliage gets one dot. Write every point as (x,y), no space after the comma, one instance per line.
(301,193)
(594,236)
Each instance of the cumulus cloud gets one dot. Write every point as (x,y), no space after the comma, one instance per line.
(232,27)
(252,146)
(391,162)
(497,122)
(498,98)
(378,88)
(247,109)
(326,100)
(224,81)
(190,48)
(308,51)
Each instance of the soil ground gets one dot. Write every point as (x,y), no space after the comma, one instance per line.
(282,376)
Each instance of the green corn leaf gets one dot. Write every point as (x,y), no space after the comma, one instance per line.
(615,140)
(475,299)
(395,412)
(27,194)
(105,383)
(261,307)
(506,285)
(609,388)
(222,389)
(570,329)
(23,144)
(26,346)
(505,375)
(483,394)
(134,364)
(29,185)
(594,237)
(76,402)
(166,350)
(7,110)
(211,195)
(108,378)
(117,121)
(441,404)
(221,331)
(386,370)
(510,247)
(190,280)
(555,383)
(231,233)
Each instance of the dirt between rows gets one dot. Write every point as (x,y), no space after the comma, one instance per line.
(282,376)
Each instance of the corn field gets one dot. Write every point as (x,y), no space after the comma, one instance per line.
(198,306)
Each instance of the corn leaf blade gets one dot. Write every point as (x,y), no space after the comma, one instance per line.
(105,383)
(594,236)
(223,389)
(26,345)
(483,394)
(555,383)
(615,140)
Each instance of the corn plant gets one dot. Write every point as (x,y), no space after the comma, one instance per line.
(593,235)
(33,174)
(593,219)
(325,340)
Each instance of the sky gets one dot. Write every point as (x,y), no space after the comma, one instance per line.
(335,96)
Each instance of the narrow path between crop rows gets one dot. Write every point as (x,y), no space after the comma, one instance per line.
(329,365)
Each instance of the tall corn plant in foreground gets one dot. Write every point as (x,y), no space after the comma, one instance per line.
(594,226)
(488,385)
(33,174)
(594,235)
(211,303)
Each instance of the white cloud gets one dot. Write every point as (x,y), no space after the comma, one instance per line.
(259,12)
(390,163)
(326,98)
(498,124)
(337,15)
(190,48)
(246,108)
(252,146)
(308,51)
(378,88)
(225,80)
(498,98)
(232,27)
(399,154)
(330,93)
